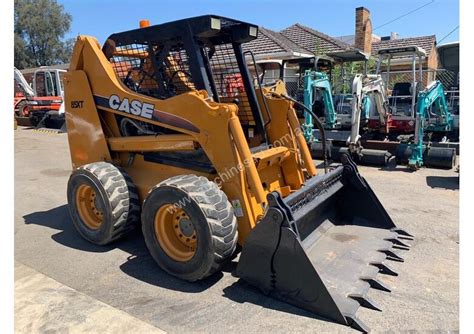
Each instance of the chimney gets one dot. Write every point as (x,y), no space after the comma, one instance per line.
(363,30)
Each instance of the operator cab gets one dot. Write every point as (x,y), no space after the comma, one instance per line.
(160,61)
(291,71)
(269,71)
(343,104)
(294,72)
(405,84)
(48,82)
(342,85)
(402,97)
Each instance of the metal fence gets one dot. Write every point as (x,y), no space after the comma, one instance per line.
(448,79)
(294,84)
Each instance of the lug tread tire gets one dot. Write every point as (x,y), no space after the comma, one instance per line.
(122,198)
(19,110)
(218,212)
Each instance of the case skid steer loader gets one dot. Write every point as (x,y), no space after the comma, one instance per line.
(157,136)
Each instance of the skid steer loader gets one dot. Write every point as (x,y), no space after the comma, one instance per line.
(157,136)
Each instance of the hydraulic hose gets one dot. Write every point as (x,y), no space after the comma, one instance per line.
(318,122)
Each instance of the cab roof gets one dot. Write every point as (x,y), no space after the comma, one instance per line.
(207,28)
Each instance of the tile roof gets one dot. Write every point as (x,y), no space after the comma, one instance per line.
(270,42)
(313,40)
(428,43)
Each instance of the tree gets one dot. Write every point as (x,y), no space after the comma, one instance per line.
(343,74)
(40,26)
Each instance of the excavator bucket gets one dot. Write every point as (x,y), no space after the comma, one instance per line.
(323,247)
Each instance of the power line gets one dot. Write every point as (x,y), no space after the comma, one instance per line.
(406,14)
(449,33)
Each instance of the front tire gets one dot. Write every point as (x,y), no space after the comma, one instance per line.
(189,226)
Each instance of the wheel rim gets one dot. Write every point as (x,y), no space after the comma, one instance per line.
(175,232)
(88,207)
(24,111)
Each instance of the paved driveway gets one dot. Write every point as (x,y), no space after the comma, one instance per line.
(123,276)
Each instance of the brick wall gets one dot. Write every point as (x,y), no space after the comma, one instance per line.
(363,30)
(433,59)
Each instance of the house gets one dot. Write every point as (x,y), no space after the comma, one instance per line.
(353,47)
(427,43)
(273,45)
(363,40)
(314,41)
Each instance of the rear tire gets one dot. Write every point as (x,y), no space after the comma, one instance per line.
(22,109)
(209,237)
(103,202)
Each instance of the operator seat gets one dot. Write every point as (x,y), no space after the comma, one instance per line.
(401,99)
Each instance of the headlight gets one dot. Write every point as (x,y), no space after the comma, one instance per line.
(253,31)
(56,101)
(33,103)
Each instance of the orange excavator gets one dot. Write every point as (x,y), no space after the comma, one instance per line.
(40,105)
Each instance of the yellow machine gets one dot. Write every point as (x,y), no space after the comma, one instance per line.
(166,128)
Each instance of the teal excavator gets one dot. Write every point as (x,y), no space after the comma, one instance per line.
(432,115)
(367,93)
(318,87)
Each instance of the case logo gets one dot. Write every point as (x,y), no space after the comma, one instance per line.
(133,107)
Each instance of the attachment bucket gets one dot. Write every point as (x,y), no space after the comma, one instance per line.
(321,248)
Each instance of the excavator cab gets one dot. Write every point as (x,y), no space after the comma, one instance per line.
(167,130)
(402,98)
(405,92)
(292,72)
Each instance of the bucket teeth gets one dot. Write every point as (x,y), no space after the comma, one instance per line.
(397,243)
(402,234)
(376,284)
(401,247)
(365,301)
(391,255)
(384,269)
(357,324)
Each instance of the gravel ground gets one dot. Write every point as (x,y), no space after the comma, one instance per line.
(424,296)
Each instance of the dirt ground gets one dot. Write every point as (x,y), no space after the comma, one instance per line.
(124,278)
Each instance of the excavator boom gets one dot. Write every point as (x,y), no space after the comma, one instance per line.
(432,114)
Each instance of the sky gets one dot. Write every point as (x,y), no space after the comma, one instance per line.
(333,17)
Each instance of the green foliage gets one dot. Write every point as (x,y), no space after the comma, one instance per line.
(40,26)
(342,79)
